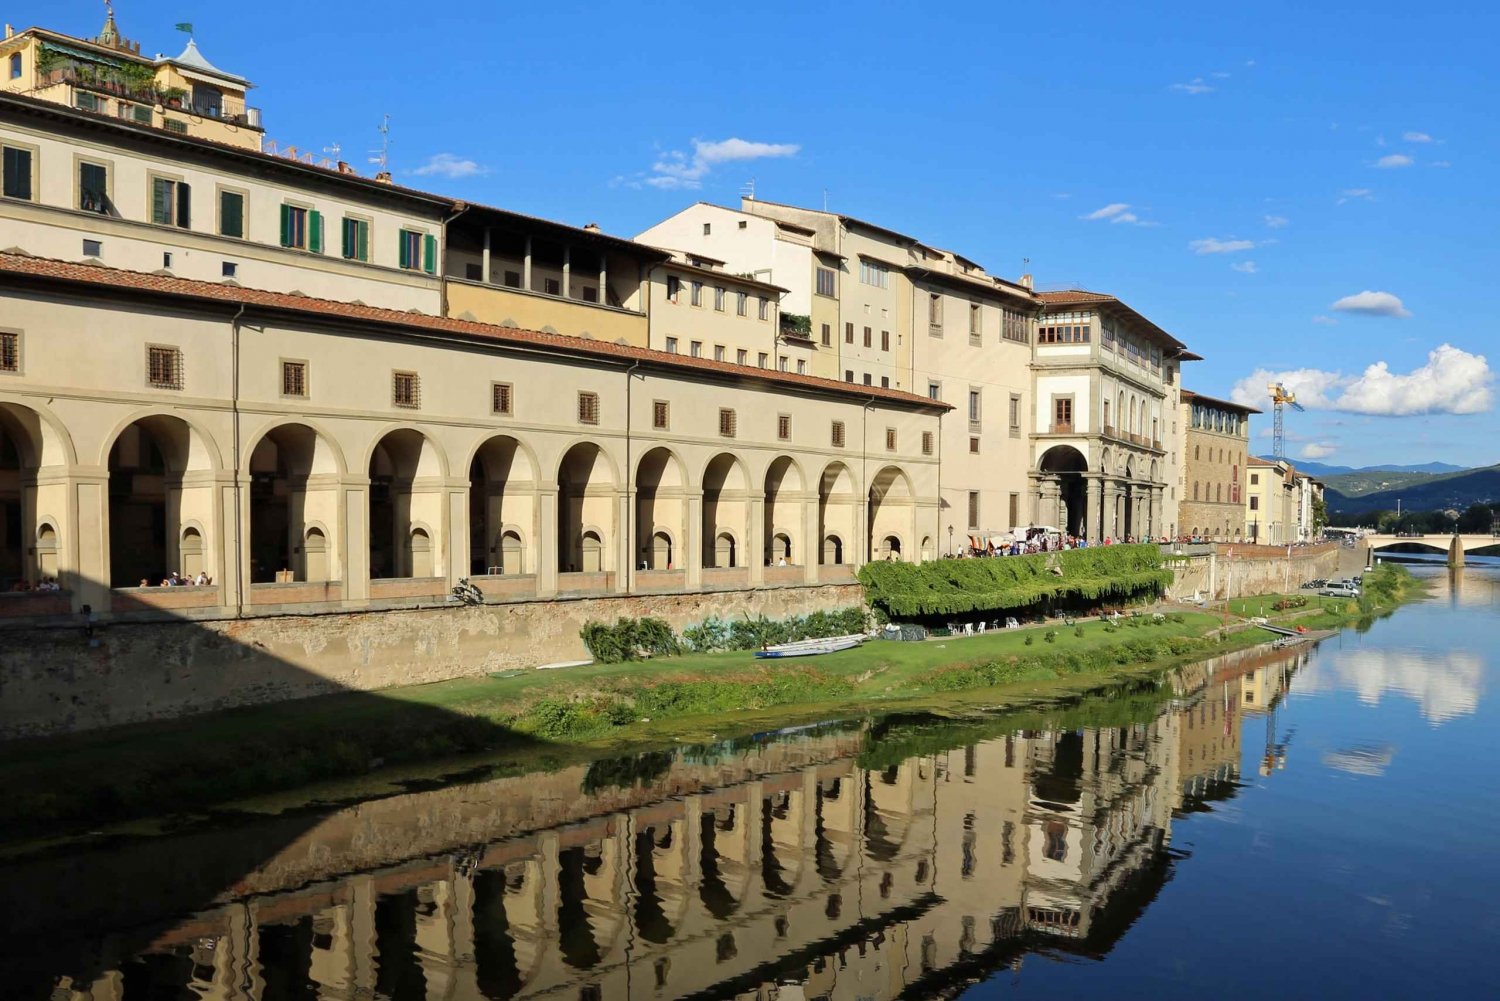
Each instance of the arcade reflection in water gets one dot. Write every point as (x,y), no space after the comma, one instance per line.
(808,865)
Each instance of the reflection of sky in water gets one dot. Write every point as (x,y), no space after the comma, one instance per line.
(1370,760)
(1444,685)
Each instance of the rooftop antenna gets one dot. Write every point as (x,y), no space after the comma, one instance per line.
(333,150)
(825,199)
(748,191)
(381,157)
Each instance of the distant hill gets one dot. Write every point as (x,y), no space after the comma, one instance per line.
(1320,469)
(1420,492)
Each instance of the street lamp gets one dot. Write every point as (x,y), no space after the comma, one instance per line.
(950,540)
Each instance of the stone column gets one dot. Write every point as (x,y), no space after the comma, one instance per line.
(486,268)
(692,556)
(1095,515)
(812,544)
(83,563)
(624,542)
(755,539)
(456,515)
(526,267)
(567,279)
(546,537)
(354,538)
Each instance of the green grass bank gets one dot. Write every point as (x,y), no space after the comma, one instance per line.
(347,746)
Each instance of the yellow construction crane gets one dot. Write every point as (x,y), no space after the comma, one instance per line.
(1280,400)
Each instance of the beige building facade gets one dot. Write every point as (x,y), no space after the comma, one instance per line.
(1215,452)
(1270,502)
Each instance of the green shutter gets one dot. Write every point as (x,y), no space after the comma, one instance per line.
(364,241)
(159,196)
(348,241)
(315,232)
(429,254)
(405,261)
(286,225)
(184,205)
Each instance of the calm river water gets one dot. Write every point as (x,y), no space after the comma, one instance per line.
(1289,824)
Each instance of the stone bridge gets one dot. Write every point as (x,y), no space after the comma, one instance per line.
(1456,546)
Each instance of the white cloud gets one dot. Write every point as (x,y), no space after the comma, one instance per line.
(1212,245)
(1110,210)
(1250,63)
(1193,86)
(1394,160)
(1416,137)
(1117,212)
(1277,221)
(451,166)
(1440,163)
(1369,303)
(1220,75)
(1326,321)
(1360,194)
(1244,267)
(1318,450)
(676,169)
(1452,381)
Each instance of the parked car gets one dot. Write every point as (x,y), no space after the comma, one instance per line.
(1339,589)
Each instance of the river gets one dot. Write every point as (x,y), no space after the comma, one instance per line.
(1303,823)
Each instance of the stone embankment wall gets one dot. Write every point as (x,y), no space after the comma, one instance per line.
(61,680)
(1237,571)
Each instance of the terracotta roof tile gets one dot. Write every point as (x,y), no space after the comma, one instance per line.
(90,275)
(1081,297)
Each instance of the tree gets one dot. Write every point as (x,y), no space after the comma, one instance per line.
(1478,519)
(1320,515)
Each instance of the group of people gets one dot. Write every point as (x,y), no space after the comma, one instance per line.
(45,584)
(177,579)
(1040,541)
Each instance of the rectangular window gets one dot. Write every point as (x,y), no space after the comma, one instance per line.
(973,508)
(660,415)
(85,101)
(765,308)
(874,273)
(1015,414)
(17,172)
(742,357)
(837,435)
(1255,479)
(232,214)
(175,125)
(406,390)
(696,349)
(588,408)
(726,423)
(867,337)
(719,298)
(934,391)
(297,226)
(590,294)
(169,202)
(551,286)
(697,296)
(848,333)
(1014,326)
(674,286)
(885,340)
(762,360)
(826,284)
(10,351)
(93,248)
(782,363)
(974,408)
(973,446)
(926,442)
(741,302)
(885,382)
(1015,509)
(93,188)
(974,336)
(164,367)
(356,243)
(294,378)
(801,366)
(419,251)
(868,380)
(848,375)
(1255,503)
(935,314)
(1062,414)
(890,439)
(784,427)
(672,345)
(501,398)
(827,336)
(512,279)
(718,352)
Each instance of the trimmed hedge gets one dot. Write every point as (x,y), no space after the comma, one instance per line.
(953,587)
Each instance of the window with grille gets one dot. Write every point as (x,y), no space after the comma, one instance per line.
(838,434)
(501,397)
(660,415)
(10,351)
(294,378)
(588,408)
(406,389)
(164,367)
(726,422)
(784,427)
(890,439)
(926,442)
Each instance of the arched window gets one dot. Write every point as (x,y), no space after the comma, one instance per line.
(1195,490)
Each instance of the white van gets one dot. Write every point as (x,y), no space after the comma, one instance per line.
(1339,589)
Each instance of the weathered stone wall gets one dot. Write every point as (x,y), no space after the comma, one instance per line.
(1236,571)
(59,680)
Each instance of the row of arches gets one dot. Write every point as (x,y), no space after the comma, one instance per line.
(164,497)
(1119,499)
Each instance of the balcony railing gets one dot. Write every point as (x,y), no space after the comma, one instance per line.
(227,109)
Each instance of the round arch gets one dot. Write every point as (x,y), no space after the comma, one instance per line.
(660,508)
(891,504)
(838,508)
(587,484)
(783,486)
(726,509)
(1062,471)
(399,457)
(330,459)
(294,470)
(503,477)
(31,439)
(156,491)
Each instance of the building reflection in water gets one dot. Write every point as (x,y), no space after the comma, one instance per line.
(829,863)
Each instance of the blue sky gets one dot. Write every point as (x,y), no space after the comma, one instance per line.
(1242,176)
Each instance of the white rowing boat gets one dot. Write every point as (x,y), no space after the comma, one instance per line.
(809,648)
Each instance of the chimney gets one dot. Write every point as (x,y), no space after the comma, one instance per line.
(384,177)
(1026,281)
(592,227)
(10,32)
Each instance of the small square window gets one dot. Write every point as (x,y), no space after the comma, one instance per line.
(718,352)
(551,286)
(660,414)
(406,389)
(726,422)
(784,427)
(229,269)
(512,279)
(762,360)
(742,356)
(973,446)
(93,248)
(294,378)
(848,375)
(885,382)
(501,398)
(707,228)
(166,259)
(588,408)
(837,436)
(743,224)
(671,345)
(164,367)
(696,349)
